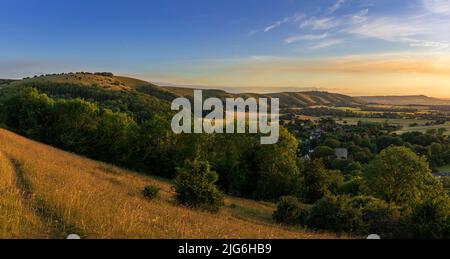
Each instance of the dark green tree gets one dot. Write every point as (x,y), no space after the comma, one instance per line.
(195,187)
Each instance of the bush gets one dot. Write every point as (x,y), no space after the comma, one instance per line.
(334,214)
(431,219)
(354,187)
(291,211)
(377,216)
(151,192)
(195,187)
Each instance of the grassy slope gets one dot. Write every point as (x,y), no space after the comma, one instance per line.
(17,219)
(74,194)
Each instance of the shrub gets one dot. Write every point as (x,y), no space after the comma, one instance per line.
(291,211)
(377,215)
(151,192)
(354,187)
(431,219)
(334,214)
(195,187)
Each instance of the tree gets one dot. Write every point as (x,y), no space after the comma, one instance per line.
(76,125)
(323,152)
(398,175)
(431,219)
(332,143)
(195,187)
(30,113)
(385,141)
(234,164)
(314,181)
(112,134)
(277,170)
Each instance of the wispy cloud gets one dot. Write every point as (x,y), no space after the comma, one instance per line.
(437,6)
(426,27)
(385,28)
(294,18)
(336,6)
(414,31)
(306,37)
(325,23)
(326,44)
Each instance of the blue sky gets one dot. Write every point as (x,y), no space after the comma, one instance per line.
(349,46)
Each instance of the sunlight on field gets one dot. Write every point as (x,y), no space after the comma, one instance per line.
(16,219)
(97,200)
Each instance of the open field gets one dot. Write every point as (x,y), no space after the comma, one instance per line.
(399,122)
(444,169)
(404,123)
(50,193)
(424,129)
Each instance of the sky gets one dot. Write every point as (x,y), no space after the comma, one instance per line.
(355,47)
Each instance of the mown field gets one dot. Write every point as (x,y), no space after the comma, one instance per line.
(49,193)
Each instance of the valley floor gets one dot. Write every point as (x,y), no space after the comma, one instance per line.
(49,193)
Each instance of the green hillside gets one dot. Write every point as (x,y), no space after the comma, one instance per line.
(137,98)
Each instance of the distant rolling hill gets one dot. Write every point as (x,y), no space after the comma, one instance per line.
(92,86)
(6,81)
(287,99)
(405,100)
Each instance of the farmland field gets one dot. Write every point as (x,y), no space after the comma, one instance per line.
(399,122)
(424,129)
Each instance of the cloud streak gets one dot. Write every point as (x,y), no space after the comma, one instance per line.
(307,37)
(294,18)
(437,6)
(336,6)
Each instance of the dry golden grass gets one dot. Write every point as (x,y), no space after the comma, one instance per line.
(97,200)
(17,220)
